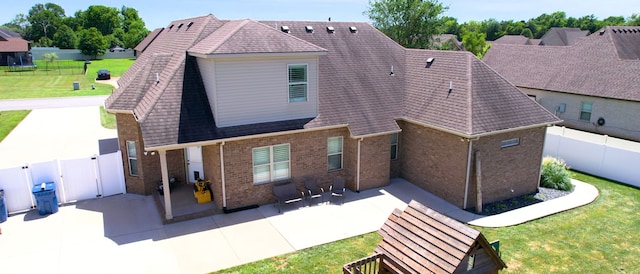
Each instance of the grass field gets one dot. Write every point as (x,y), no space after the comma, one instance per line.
(9,120)
(56,79)
(597,238)
(107,120)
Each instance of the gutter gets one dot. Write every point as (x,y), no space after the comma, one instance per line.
(475,136)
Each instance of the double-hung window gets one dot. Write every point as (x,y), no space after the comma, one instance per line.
(298,83)
(132,157)
(394,146)
(585,111)
(334,153)
(270,164)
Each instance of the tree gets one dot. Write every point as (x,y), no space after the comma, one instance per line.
(45,20)
(65,38)
(49,58)
(92,43)
(527,33)
(474,39)
(411,23)
(104,19)
(20,25)
(634,20)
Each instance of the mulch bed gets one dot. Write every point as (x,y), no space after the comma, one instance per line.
(543,194)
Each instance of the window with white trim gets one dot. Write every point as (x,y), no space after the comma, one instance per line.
(132,158)
(297,83)
(510,143)
(394,146)
(270,164)
(334,153)
(585,111)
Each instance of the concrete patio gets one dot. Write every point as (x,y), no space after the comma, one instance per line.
(124,233)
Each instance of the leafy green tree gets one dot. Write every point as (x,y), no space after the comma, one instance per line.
(44,42)
(45,20)
(613,21)
(634,20)
(20,25)
(590,23)
(113,41)
(474,39)
(92,43)
(65,38)
(104,19)
(137,32)
(49,58)
(527,33)
(450,26)
(411,23)
(492,29)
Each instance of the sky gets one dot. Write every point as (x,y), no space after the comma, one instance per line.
(159,13)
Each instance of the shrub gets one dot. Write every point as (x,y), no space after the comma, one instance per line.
(555,174)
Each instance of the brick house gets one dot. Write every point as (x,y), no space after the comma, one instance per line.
(592,84)
(249,103)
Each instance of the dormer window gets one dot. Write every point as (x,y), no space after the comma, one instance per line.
(297,83)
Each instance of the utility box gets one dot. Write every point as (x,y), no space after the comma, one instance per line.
(46,200)
(76,85)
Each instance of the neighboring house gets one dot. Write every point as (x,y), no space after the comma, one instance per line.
(247,104)
(14,51)
(447,42)
(515,40)
(592,85)
(562,36)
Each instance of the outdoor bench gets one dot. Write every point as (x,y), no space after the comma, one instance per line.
(286,193)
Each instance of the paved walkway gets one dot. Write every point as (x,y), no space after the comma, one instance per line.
(124,233)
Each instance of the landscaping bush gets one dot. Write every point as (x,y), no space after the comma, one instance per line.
(555,174)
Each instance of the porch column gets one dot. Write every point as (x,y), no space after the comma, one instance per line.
(165,184)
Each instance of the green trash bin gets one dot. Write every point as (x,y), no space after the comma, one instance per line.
(76,85)
(46,200)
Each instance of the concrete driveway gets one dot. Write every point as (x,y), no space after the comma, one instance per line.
(55,133)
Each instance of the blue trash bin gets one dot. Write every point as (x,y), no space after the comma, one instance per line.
(46,200)
(3,208)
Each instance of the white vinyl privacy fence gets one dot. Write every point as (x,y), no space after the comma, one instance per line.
(76,179)
(600,155)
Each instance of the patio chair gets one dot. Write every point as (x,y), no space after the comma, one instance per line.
(287,193)
(337,188)
(313,190)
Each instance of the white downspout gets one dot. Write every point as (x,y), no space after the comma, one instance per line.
(222,178)
(467,178)
(358,167)
(165,184)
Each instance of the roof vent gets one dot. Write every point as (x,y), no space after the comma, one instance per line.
(171,26)
(189,24)
(602,32)
(430,62)
(309,29)
(179,26)
(331,29)
(285,29)
(353,29)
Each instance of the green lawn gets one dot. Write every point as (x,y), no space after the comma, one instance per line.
(601,237)
(56,79)
(107,120)
(9,120)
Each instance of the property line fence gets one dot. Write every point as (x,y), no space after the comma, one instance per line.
(76,179)
(596,154)
(43,67)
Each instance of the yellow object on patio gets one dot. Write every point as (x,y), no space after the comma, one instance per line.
(201,192)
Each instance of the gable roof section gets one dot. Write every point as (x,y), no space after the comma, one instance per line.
(147,40)
(460,94)
(5,33)
(562,36)
(250,37)
(600,65)
(512,39)
(12,42)
(422,240)
(355,85)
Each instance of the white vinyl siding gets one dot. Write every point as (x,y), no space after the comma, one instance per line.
(297,83)
(248,91)
(270,164)
(132,158)
(334,153)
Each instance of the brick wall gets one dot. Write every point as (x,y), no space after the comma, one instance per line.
(508,172)
(374,161)
(433,160)
(149,173)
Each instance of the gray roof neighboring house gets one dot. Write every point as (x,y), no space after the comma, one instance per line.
(12,42)
(443,39)
(604,64)
(562,36)
(366,81)
(513,40)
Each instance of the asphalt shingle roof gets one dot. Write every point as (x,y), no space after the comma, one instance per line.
(356,86)
(562,36)
(604,64)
